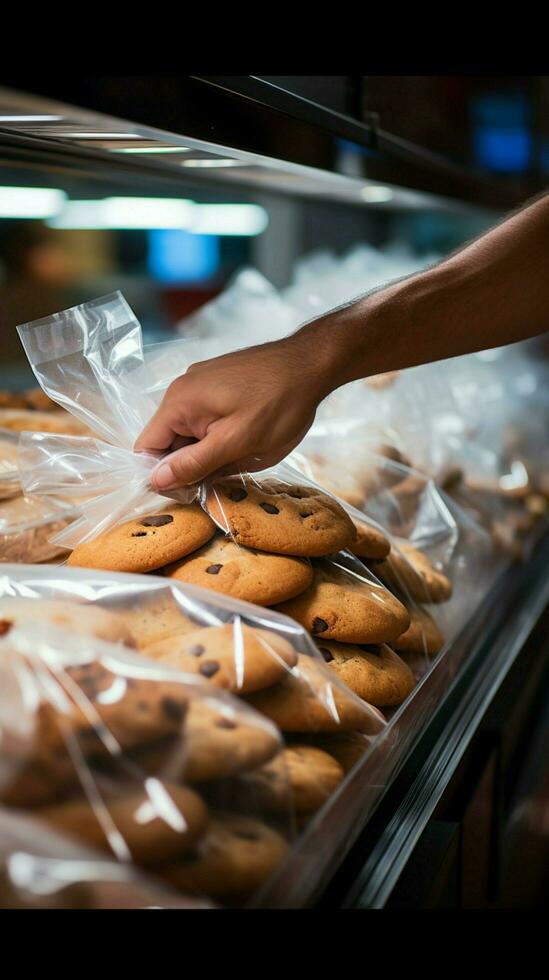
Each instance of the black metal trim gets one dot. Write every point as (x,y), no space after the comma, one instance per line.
(404,811)
(273,96)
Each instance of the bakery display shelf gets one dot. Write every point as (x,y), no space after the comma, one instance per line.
(241,133)
(420,749)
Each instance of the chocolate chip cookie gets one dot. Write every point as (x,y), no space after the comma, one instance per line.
(407,569)
(307,700)
(370,542)
(346,747)
(220,739)
(235,856)
(153,618)
(236,657)
(299,779)
(83,712)
(150,822)
(253,576)
(280,518)
(147,542)
(341,606)
(376,673)
(78,617)
(422,635)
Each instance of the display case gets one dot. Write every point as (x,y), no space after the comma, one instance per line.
(428,816)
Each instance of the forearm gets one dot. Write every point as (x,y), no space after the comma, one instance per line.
(493,292)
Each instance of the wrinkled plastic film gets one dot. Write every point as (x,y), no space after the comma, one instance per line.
(74,735)
(91,360)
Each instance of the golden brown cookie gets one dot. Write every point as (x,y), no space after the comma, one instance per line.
(96,708)
(280,518)
(253,576)
(78,617)
(300,778)
(148,542)
(344,487)
(12,399)
(235,856)
(113,705)
(153,618)
(308,701)
(236,657)
(346,747)
(408,569)
(376,674)
(343,607)
(220,738)
(37,400)
(422,635)
(370,542)
(55,713)
(29,421)
(150,822)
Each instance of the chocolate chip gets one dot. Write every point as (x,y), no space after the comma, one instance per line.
(319,625)
(237,494)
(326,654)
(269,508)
(209,667)
(174,710)
(308,513)
(157,520)
(5,626)
(197,650)
(139,534)
(213,569)
(225,723)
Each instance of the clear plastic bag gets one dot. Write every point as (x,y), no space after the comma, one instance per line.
(90,360)
(113,734)
(248,311)
(42,869)
(280,522)
(9,476)
(441,561)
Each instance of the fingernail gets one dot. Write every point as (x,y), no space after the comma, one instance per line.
(163,478)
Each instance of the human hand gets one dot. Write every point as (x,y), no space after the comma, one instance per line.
(244,411)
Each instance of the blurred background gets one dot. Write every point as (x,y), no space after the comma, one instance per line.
(68,234)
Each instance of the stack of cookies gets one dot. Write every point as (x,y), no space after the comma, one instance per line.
(267,543)
(28,522)
(132,757)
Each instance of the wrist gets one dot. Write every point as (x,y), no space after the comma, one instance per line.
(345,342)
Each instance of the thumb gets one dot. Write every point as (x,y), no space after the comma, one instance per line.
(193,463)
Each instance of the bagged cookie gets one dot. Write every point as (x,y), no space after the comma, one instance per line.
(27,525)
(440,558)
(112,750)
(41,868)
(143,708)
(9,476)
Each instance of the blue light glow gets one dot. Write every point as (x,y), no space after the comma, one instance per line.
(177,256)
(506,149)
